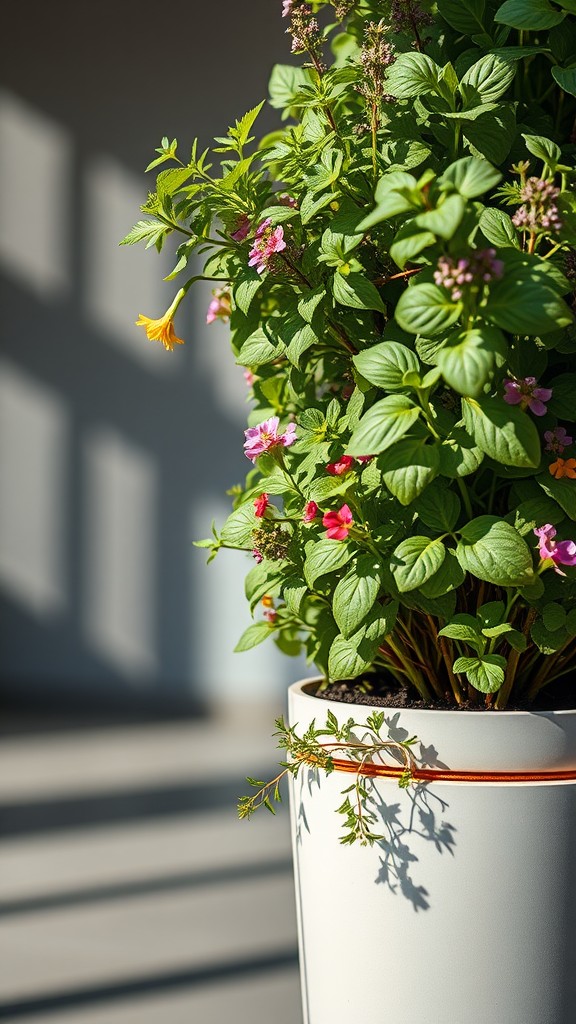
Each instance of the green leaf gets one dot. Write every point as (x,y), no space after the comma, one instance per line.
(498,228)
(491,135)
(349,656)
(543,148)
(408,467)
(561,403)
(237,530)
(415,560)
(546,640)
(294,590)
(485,674)
(529,14)
(553,616)
(459,456)
(470,176)
(412,74)
(426,309)
(467,360)
(384,424)
(324,557)
(245,291)
(523,302)
(409,242)
(505,432)
(257,350)
(466,16)
(449,577)
(254,635)
(566,79)
(493,551)
(438,507)
(150,231)
(487,80)
(466,628)
(386,363)
(355,594)
(562,491)
(535,512)
(445,219)
(390,200)
(356,291)
(286,83)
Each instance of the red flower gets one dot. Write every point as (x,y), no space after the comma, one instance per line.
(310,512)
(338,523)
(340,467)
(260,505)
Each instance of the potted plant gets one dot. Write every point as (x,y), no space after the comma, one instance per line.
(397,262)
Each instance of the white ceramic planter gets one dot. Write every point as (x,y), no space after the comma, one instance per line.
(468,914)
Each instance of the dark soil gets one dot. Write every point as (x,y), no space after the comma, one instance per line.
(378,691)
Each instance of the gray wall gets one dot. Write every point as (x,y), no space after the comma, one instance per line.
(114,454)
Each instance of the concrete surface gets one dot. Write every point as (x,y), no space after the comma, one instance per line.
(129,891)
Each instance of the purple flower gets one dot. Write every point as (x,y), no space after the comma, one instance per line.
(557,440)
(265,436)
(527,394)
(480,267)
(242,229)
(562,552)
(220,306)
(539,213)
(267,242)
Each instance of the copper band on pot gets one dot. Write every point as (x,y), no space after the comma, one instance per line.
(372,770)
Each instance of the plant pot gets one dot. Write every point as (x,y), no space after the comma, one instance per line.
(466,913)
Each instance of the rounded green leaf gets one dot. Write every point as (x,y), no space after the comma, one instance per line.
(355,594)
(505,432)
(426,309)
(324,557)
(485,674)
(445,219)
(385,364)
(529,14)
(470,176)
(492,550)
(412,74)
(408,467)
(383,425)
(487,79)
(466,361)
(415,560)
(349,656)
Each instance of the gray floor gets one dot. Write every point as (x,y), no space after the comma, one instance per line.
(129,891)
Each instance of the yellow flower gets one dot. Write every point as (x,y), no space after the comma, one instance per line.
(160,330)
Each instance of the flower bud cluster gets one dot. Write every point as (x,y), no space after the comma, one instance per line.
(304,29)
(408,16)
(375,56)
(539,212)
(270,540)
(479,268)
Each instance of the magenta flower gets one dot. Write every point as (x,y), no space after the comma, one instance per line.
(260,505)
(257,556)
(557,440)
(242,229)
(220,306)
(341,466)
(310,512)
(562,552)
(270,614)
(267,242)
(338,523)
(249,377)
(527,394)
(265,436)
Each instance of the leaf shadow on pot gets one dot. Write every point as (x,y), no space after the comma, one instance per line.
(423,821)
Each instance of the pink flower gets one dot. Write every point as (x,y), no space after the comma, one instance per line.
(562,552)
(267,241)
(558,439)
(341,466)
(364,458)
(242,229)
(338,523)
(249,377)
(220,306)
(287,8)
(265,436)
(260,505)
(257,556)
(527,394)
(270,614)
(310,512)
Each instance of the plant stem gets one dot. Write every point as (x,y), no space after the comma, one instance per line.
(447,656)
(506,688)
(465,497)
